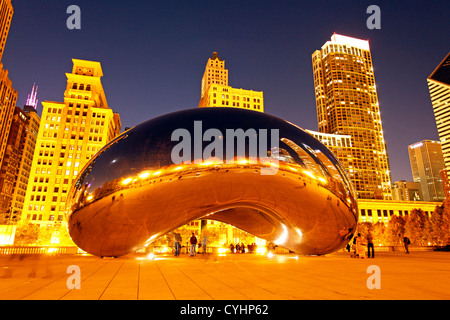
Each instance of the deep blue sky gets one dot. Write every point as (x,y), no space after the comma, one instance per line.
(153,55)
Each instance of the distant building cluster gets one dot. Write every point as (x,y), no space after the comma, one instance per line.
(41,156)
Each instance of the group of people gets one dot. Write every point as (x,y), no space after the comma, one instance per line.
(192,244)
(359,245)
(195,245)
(240,248)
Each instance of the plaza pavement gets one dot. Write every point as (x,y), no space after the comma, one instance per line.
(419,275)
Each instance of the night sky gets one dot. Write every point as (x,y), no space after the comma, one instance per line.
(153,55)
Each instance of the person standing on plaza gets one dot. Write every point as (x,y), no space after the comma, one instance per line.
(193,242)
(369,238)
(359,247)
(406,242)
(177,239)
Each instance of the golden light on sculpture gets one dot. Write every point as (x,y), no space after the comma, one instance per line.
(273,205)
(127,181)
(144,175)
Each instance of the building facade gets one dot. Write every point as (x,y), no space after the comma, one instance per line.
(426,163)
(446,183)
(347,104)
(215,91)
(6,14)
(382,210)
(8,99)
(9,169)
(24,169)
(406,191)
(70,133)
(337,143)
(226,96)
(8,95)
(439,87)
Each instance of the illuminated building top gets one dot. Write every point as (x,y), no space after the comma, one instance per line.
(215,73)
(439,87)
(349,41)
(32,100)
(442,72)
(217,93)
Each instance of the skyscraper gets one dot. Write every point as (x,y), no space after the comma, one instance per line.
(6,13)
(13,154)
(215,73)
(8,95)
(407,191)
(439,87)
(29,144)
(347,104)
(217,93)
(8,99)
(70,133)
(426,163)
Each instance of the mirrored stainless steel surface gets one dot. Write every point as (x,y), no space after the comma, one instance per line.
(132,192)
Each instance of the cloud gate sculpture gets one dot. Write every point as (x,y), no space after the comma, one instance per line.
(251,170)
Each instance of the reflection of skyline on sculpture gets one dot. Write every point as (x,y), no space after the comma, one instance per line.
(131,192)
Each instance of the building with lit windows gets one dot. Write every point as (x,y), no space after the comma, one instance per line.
(347,104)
(406,191)
(11,162)
(426,163)
(337,143)
(6,14)
(215,91)
(439,87)
(8,95)
(445,183)
(8,99)
(24,169)
(382,210)
(70,133)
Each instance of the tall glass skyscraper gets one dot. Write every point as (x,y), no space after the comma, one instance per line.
(426,163)
(439,86)
(347,104)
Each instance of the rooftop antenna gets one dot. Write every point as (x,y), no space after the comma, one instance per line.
(32,101)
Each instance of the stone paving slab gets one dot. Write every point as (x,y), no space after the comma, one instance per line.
(417,276)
